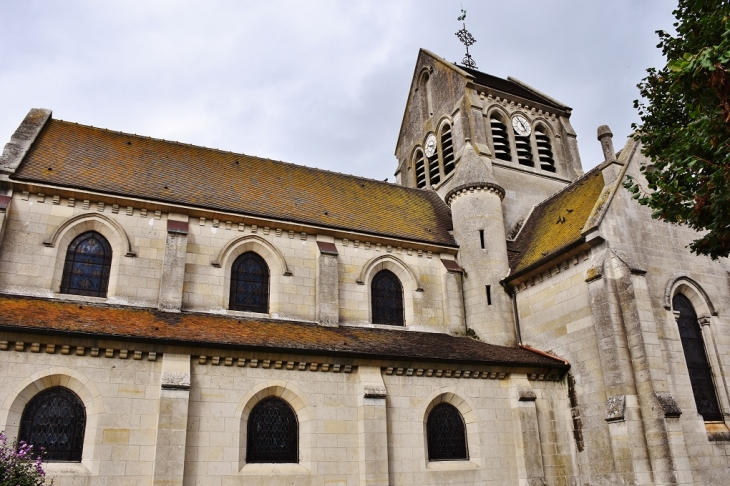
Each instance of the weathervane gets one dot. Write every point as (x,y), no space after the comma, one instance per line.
(467,39)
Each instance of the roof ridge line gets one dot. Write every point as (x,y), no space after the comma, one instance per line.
(317,169)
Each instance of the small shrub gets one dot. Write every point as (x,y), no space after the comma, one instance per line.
(19,465)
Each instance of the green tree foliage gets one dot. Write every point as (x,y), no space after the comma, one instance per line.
(685,126)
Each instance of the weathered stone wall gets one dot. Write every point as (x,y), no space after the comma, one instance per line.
(174,415)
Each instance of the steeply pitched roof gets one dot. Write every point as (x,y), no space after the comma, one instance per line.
(556,222)
(77,156)
(28,314)
(509,86)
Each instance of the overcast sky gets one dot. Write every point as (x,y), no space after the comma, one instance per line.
(319,83)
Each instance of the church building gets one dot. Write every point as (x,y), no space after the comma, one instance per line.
(179,315)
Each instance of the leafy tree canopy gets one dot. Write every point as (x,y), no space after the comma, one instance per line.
(685,126)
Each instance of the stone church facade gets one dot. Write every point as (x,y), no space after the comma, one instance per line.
(172,314)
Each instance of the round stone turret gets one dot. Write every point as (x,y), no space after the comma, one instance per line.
(475,198)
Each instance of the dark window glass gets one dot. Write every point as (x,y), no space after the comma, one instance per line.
(446,434)
(88,261)
(54,422)
(387,297)
(694,353)
(273,432)
(250,284)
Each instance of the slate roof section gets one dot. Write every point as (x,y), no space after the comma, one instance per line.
(97,321)
(507,86)
(82,157)
(556,222)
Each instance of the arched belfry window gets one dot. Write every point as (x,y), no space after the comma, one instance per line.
(447,149)
(54,421)
(387,299)
(249,284)
(446,434)
(700,374)
(500,138)
(544,149)
(88,262)
(420,165)
(273,432)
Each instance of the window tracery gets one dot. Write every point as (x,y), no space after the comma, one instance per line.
(446,434)
(54,421)
(249,284)
(87,266)
(272,433)
(387,299)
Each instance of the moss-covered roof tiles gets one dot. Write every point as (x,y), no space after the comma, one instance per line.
(82,157)
(557,222)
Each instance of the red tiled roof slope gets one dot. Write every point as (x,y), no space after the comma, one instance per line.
(77,156)
(556,222)
(28,314)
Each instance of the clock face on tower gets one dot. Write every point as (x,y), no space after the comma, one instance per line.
(521,125)
(430,145)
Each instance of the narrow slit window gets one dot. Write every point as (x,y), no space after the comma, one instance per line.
(489,295)
(481,238)
(447,149)
(420,170)
(500,139)
(544,149)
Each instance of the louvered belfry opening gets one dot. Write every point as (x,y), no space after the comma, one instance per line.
(500,138)
(700,374)
(420,165)
(249,284)
(524,150)
(434,173)
(54,421)
(447,149)
(544,149)
(273,433)
(446,434)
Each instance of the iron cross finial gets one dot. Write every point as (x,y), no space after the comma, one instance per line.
(467,39)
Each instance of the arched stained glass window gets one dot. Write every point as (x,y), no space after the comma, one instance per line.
(387,299)
(700,374)
(54,421)
(250,284)
(88,262)
(273,432)
(446,434)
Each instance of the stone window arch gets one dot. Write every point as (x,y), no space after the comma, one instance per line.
(54,421)
(696,358)
(419,168)
(87,265)
(446,434)
(424,86)
(272,433)
(406,276)
(249,284)
(386,299)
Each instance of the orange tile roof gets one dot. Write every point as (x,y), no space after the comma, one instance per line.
(77,156)
(30,314)
(556,222)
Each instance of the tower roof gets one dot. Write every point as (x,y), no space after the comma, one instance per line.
(472,172)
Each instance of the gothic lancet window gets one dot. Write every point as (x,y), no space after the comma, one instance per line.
(250,284)
(700,374)
(447,149)
(544,149)
(387,299)
(500,138)
(446,434)
(54,421)
(88,262)
(273,433)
